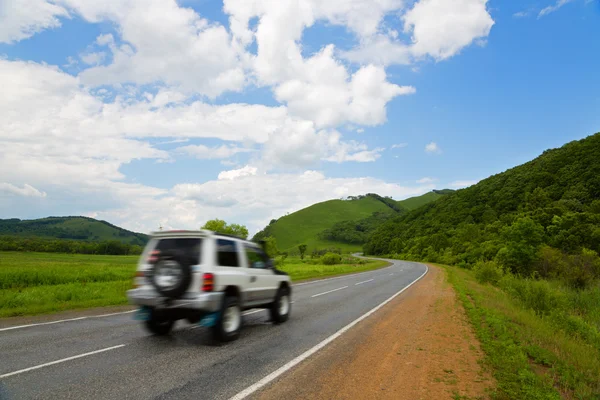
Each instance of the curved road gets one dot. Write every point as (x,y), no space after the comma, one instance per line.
(113,357)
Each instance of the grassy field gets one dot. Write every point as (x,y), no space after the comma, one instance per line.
(542,341)
(36,283)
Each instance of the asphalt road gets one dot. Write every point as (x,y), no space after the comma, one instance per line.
(113,357)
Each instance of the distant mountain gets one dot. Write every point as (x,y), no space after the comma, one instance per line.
(73,228)
(308,225)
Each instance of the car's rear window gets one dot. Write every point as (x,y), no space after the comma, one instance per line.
(190,247)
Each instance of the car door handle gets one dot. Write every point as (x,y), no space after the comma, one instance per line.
(252,279)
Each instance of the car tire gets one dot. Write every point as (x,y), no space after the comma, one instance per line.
(178,262)
(282,306)
(229,324)
(159,326)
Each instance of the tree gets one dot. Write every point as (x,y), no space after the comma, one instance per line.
(220,226)
(302,249)
(271,246)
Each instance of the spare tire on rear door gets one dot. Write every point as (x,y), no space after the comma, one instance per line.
(171,274)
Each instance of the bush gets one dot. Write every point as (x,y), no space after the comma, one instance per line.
(331,259)
(488,272)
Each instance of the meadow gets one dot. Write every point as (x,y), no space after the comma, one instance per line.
(36,283)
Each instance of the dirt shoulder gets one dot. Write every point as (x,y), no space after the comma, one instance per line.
(419,346)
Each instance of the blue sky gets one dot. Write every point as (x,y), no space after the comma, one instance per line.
(148,113)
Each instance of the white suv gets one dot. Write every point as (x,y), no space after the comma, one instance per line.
(207,278)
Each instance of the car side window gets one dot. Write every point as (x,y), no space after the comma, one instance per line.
(256,258)
(227,255)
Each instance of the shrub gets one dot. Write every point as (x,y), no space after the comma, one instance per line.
(488,272)
(331,259)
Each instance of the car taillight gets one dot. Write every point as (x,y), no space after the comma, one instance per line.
(153,257)
(208,282)
(138,279)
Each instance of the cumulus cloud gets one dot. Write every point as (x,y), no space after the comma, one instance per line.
(21,19)
(399,145)
(25,191)
(438,28)
(432,148)
(163,42)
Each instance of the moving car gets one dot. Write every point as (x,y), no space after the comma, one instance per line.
(207,278)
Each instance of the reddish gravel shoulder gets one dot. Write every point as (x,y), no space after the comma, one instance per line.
(419,346)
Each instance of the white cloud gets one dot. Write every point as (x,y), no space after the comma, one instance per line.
(441,28)
(438,28)
(432,148)
(209,153)
(399,145)
(554,7)
(427,180)
(21,19)
(163,42)
(462,184)
(237,173)
(25,191)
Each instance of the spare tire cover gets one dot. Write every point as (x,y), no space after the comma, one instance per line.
(171,274)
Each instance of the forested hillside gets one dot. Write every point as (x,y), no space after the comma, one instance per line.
(542,216)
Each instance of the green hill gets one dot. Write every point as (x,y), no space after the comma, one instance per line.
(418,201)
(547,205)
(307,225)
(73,228)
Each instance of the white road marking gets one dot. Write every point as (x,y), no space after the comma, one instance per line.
(335,277)
(391,274)
(330,291)
(64,320)
(360,283)
(275,374)
(60,361)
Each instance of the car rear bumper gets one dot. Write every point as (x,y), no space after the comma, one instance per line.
(210,302)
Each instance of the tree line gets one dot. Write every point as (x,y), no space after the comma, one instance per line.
(107,247)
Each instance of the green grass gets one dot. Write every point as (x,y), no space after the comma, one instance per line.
(303,269)
(304,225)
(533,355)
(418,201)
(37,283)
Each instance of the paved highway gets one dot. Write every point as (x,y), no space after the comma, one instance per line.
(113,357)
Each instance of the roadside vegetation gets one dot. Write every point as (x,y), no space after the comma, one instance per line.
(541,338)
(37,283)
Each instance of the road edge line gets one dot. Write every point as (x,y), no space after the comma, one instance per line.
(60,361)
(291,364)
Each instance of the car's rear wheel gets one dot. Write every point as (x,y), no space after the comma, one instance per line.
(159,325)
(282,306)
(229,323)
